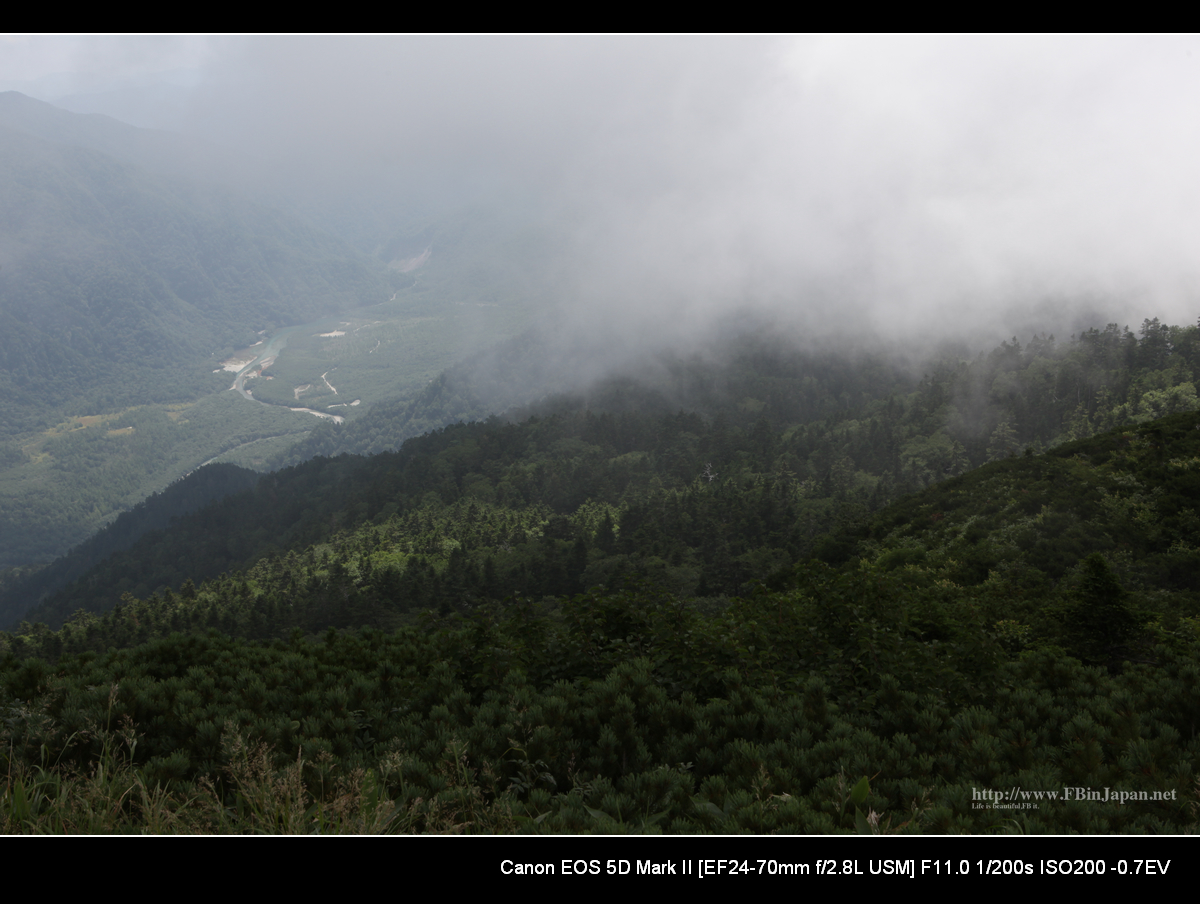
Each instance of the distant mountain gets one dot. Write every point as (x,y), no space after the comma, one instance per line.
(165,153)
(126,275)
(116,282)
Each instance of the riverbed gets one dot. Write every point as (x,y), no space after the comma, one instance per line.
(267,353)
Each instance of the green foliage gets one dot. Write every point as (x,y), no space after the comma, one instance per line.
(1099,624)
(698,602)
(670,721)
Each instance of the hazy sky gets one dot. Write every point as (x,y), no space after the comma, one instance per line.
(896,182)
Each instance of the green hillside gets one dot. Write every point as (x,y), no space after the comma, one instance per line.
(725,466)
(616,616)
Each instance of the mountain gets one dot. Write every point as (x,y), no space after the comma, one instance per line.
(755,584)
(194,491)
(712,472)
(116,283)
(1000,636)
(125,279)
(152,150)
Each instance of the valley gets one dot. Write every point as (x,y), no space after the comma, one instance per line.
(692,435)
(118,469)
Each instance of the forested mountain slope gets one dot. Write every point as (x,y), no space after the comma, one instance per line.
(622,485)
(972,408)
(154,150)
(884,695)
(21,592)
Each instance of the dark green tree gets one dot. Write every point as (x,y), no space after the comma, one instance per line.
(1100,625)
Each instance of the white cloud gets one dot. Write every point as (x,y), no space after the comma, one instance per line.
(893,181)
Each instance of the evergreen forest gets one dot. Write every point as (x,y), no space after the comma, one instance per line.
(762,587)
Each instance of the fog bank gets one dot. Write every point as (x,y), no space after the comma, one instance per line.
(898,185)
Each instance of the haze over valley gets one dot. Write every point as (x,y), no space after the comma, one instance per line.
(365,385)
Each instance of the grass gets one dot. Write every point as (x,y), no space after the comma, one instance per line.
(250,796)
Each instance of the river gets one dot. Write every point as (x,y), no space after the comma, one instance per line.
(270,351)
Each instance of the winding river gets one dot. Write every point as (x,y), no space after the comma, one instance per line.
(270,351)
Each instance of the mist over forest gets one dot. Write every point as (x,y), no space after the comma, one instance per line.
(931,179)
(775,385)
